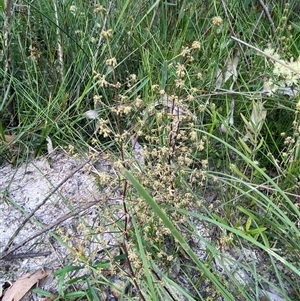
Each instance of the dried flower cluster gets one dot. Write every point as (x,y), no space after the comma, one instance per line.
(170,164)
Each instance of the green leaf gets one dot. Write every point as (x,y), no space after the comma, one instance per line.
(248,213)
(141,85)
(92,293)
(77,279)
(247,123)
(75,294)
(248,223)
(144,260)
(238,172)
(67,269)
(2,136)
(62,274)
(42,292)
(245,146)
(218,218)
(2,5)
(260,143)
(257,231)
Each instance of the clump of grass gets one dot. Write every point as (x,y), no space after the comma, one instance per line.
(156,87)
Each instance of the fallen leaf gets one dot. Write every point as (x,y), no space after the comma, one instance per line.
(231,70)
(9,138)
(49,145)
(24,284)
(91,114)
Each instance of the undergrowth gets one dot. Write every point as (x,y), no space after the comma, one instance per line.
(204,131)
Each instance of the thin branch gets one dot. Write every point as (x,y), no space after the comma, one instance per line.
(266,10)
(26,255)
(281,62)
(39,233)
(154,15)
(233,33)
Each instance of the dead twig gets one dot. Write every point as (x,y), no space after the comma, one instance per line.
(26,255)
(233,33)
(38,233)
(154,15)
(281,62)
(267,13)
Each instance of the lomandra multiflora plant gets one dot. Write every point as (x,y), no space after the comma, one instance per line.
(158,142)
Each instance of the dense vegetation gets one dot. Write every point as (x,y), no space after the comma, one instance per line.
(194,99)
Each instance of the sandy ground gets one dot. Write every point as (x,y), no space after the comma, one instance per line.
(60,195)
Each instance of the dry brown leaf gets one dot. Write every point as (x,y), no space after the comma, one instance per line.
(24,284)
(9,138)
(231,70)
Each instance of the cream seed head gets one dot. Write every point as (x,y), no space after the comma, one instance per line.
(196,45)
(73,9)
(217,21)
(111,62)
(180,70)
(179,83)
(185,51)
(107,34)
(99,9)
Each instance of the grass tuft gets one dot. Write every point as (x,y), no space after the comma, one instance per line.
(199,102)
